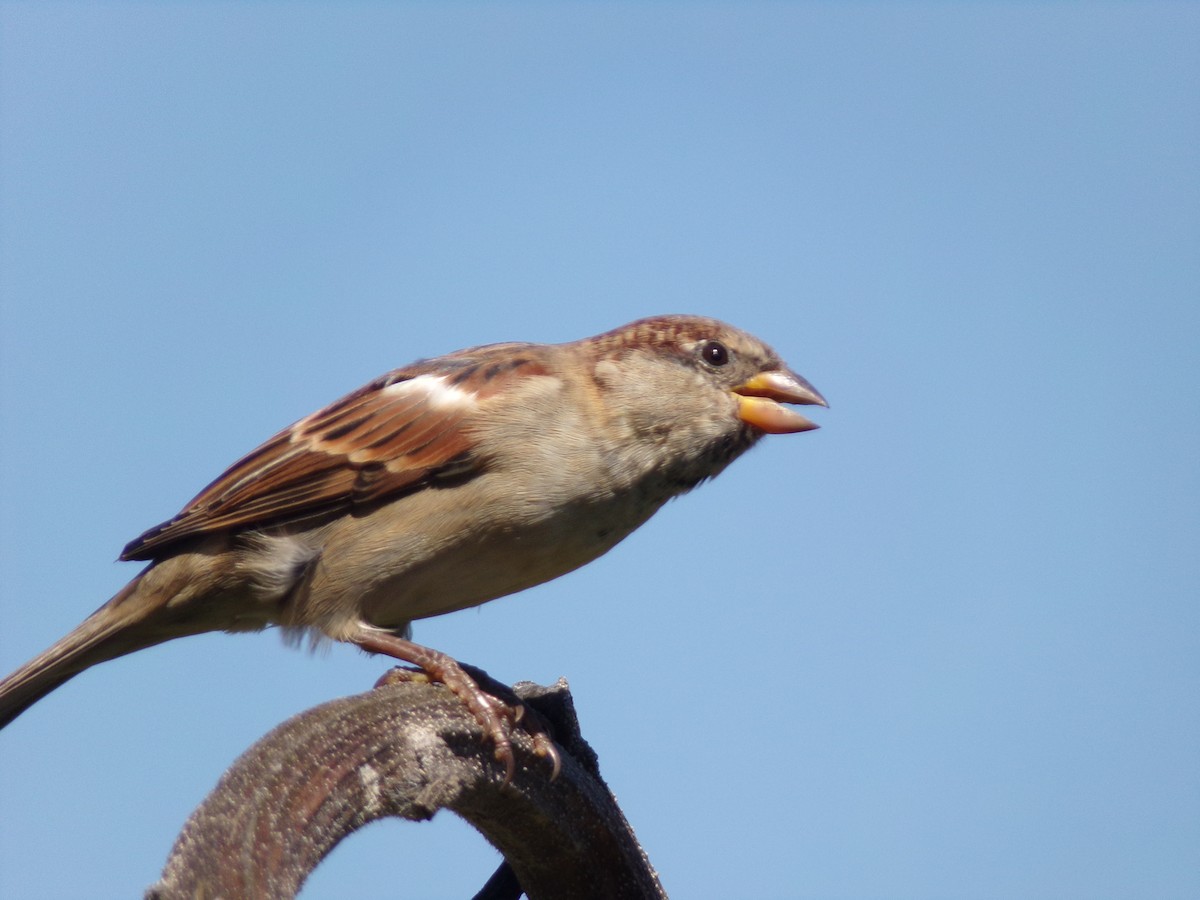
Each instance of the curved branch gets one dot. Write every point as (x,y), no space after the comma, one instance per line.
(408,749)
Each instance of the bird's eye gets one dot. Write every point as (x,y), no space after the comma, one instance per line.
(714,353)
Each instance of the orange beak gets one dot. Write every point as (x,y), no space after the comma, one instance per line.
(760,402)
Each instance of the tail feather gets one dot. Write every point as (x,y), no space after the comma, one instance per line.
(104,635)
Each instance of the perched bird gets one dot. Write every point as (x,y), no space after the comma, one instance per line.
(439,486)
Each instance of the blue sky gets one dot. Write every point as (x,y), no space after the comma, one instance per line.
(946,646)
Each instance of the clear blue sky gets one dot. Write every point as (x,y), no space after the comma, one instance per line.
(947,646)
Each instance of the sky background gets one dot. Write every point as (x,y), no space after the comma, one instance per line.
(946,646)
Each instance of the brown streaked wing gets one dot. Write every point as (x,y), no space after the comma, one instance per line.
(369,445)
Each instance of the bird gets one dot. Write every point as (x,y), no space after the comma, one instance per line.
(440,486)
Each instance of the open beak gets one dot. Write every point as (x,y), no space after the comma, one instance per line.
(760,402)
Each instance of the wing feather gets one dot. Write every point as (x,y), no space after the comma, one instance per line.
(396,434)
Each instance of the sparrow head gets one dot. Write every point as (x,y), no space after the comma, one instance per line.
(725,357)
(699,388)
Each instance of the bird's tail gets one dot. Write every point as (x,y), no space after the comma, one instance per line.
(105,634)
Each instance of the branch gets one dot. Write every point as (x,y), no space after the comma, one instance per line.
(408,750)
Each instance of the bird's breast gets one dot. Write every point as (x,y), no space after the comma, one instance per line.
(502,561)
(442,551)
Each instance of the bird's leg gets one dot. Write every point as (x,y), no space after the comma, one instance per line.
(489,710)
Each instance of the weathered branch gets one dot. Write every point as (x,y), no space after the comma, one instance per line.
(408,750)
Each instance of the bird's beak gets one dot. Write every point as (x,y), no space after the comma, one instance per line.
(760,402)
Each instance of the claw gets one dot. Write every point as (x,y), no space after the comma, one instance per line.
(489,711)
(544,747)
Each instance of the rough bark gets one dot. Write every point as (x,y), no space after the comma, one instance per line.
(409,749)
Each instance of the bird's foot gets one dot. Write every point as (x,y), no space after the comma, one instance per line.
(495,714)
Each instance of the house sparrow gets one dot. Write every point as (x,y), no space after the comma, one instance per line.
(439,486)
